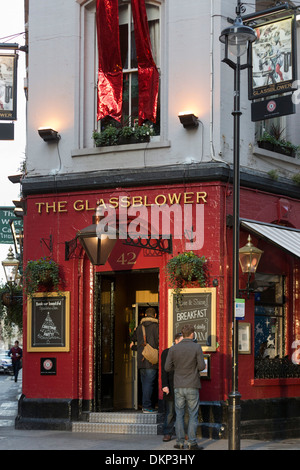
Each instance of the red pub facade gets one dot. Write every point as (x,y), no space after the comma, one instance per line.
(76,343)
(96,370)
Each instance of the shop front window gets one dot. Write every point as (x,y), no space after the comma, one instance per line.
(270,329)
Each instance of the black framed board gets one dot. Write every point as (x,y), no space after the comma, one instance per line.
(48,322)
(198,308)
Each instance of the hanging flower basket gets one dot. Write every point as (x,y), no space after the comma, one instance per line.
(41,275)
(184,269)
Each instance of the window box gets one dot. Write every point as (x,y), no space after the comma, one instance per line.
(112,135)
(287,150)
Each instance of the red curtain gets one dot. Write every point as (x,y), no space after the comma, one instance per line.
(110,77)
(148,76)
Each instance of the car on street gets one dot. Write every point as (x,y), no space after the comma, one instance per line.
(5,363)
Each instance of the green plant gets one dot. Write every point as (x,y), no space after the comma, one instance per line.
(278,144)
(11,309)
(113,135)
(296,179)
(186,268)
(109,136)
(42,273)
(145,130)
(273,174)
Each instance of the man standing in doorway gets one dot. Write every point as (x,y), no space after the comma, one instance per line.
(148,371)
(187,361)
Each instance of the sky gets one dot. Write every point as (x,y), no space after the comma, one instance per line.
(12,153)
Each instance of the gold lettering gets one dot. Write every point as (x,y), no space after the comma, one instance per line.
(201,196)
(101,202)
(174,197)
(50,206)
(160,196)
(146,201)
(87,206)
(39,204)
(125,200)
(61,206)
(114,202)
(78,205)
(188,198)
(137,201)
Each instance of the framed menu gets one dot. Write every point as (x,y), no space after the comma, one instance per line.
(198,308)
(48,322)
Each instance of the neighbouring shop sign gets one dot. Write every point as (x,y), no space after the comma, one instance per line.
(6,215)
(197,307)
(272,108)
(8,87)
(48,322)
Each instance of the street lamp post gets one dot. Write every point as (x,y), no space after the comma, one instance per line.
(236,39)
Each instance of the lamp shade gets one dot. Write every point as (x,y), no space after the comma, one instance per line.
(97,248)
(237,37)
(249,257)
(10,266)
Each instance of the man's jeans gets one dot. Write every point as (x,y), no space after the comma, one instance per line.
(148,378)
(189,397)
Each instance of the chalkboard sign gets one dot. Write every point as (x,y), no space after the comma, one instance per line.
(198,308)
(48,322)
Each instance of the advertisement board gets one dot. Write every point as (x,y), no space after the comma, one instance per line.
(8,87)
(273,68)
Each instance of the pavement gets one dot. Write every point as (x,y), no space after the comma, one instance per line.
(113,446)
(11,439)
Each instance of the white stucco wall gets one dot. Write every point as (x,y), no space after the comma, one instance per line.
(62,79)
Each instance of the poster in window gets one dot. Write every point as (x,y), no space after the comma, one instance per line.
(244,338)
(8,87)
(273,59)
(48,322)
(197,307)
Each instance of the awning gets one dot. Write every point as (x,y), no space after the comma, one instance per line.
(285,237)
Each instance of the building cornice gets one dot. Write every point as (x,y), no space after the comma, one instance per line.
(162,175)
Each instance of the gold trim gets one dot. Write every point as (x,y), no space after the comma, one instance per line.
(212,291)
(65,348)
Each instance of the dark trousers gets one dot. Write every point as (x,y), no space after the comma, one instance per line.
(16,368)
(148,379)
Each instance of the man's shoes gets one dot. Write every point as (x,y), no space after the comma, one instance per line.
(167,438)
(149,410)
(178,446)
(195,447)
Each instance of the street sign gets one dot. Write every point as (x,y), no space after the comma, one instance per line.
(7,214)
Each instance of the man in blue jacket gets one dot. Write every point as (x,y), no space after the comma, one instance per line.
(187,361)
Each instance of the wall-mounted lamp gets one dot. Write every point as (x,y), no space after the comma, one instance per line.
(99,245)
(188,120)
(249,257)
(97,248)
(49,135)
(10,267)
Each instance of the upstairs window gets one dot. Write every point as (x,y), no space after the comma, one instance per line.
(129,111)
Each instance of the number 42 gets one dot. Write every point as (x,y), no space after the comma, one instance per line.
(127,258)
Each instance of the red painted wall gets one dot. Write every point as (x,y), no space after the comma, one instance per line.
(62,215)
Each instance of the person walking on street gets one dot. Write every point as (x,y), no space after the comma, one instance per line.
(16,354)
(148,371)
(167,385)
(187,361)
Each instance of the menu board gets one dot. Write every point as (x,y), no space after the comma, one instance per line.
(196,307)
(48,322)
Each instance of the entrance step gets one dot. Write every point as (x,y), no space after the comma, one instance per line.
(120,423)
